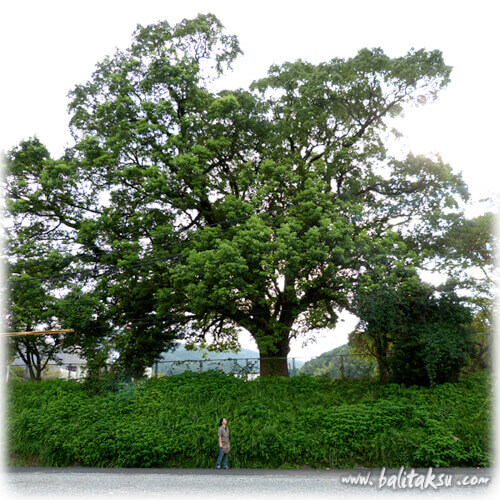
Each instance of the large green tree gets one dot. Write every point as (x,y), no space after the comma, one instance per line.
(257,209)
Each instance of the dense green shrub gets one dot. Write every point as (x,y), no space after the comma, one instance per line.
(172,422)
(434,350)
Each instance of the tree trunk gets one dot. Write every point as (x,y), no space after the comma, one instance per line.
(31,372)
(31,364)
(383,367)
(39,370)
(273,340)
(274,362)
(383,370)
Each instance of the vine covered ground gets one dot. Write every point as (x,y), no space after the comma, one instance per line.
(274,423)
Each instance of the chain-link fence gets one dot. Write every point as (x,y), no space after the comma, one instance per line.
(50,371)
(332,366)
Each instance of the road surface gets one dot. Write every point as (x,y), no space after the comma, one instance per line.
(74,482)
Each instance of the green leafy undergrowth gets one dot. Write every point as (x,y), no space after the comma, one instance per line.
(276,422)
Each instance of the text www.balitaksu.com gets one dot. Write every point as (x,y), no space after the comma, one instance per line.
(414,480)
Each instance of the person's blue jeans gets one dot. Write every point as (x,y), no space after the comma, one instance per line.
(223,458)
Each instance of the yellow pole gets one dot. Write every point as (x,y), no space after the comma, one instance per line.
(43,332)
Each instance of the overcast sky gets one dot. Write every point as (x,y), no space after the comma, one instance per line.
(47,47)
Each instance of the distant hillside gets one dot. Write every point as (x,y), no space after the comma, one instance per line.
(181,354)
(182,359)
(330,364)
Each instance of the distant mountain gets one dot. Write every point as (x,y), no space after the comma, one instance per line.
(182,354)
(333,365)
(181,359)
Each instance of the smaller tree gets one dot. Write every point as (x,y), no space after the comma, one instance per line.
(36,249)
(31,308)
(465,250)
(83,312)
(417,334)
(382,301)
(31,303)
(434,349)
(480,348)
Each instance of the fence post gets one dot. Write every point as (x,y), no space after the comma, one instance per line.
(69,371)
(201,365)
(342,366)
(156,369)
(293,367)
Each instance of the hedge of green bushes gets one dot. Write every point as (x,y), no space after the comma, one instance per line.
(301,421)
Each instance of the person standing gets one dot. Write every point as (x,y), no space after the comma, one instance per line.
(224,445)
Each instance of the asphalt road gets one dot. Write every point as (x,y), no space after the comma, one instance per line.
(44,482)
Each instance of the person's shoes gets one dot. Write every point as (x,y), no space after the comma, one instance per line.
(217,466)
(226,467)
